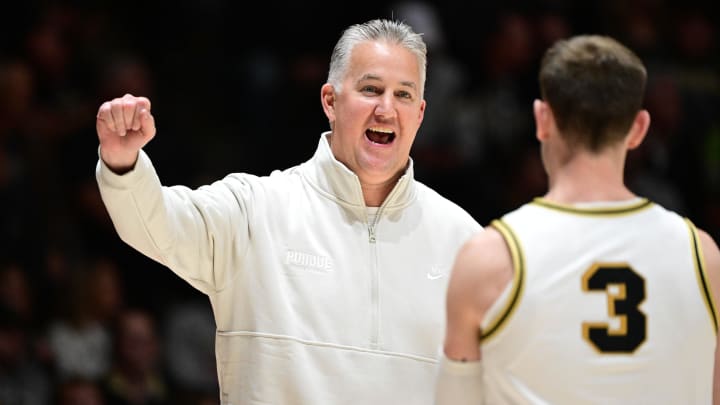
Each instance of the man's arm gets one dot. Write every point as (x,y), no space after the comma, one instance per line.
(175,226)
(481,271)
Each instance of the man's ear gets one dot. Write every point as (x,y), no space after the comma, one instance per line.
(327,99)
(638,130)
(544,120)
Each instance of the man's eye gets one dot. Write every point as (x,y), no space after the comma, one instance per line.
(370,89)
(404,94)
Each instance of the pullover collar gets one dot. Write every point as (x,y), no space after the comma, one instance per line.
(334,179)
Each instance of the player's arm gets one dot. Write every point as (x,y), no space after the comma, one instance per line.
(482,269)
(711,255)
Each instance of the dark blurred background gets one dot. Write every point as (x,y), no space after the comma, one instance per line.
(84,319)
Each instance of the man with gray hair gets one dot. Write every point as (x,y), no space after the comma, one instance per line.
(326,279)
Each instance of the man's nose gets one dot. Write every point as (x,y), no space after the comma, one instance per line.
(385,107)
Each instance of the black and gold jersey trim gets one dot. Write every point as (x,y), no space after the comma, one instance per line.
(608,211)
(701,274)
(517,282)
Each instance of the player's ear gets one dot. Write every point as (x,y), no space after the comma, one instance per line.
(543,119)
(638,130)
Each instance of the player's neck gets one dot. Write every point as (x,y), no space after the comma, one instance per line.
(588,178)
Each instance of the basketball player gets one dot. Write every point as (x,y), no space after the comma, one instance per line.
(589,294)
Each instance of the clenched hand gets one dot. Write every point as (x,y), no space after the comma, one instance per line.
(124,125)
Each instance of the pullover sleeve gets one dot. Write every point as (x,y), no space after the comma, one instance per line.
(199,234)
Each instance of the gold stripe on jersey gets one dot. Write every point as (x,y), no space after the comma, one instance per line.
(643,203)
(517,282)
(702,275)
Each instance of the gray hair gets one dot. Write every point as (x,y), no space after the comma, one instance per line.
(393,32)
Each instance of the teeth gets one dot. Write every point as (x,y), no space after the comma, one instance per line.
(382,130)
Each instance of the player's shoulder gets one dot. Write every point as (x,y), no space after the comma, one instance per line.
(484,255)
(710,249)
(482,270)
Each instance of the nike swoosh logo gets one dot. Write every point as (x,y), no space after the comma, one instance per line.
(435,273)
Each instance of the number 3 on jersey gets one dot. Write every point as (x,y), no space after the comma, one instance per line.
(625,291)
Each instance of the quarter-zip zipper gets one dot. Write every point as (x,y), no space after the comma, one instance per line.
(371,229)
(374,272)
(374,283)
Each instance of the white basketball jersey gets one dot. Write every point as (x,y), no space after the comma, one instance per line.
(609,305)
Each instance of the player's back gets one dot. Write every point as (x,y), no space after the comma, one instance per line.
(610,305)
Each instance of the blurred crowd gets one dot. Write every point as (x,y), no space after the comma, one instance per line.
(84,319)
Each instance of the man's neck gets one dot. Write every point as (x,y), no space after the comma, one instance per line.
(587,178)
(375,194)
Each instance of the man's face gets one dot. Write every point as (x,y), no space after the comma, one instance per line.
(376,114)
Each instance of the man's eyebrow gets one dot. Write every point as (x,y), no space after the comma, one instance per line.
(409,84)
(370,76)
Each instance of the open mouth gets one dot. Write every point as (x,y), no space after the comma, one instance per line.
(381,136)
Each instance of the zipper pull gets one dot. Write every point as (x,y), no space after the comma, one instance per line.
(371,232)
